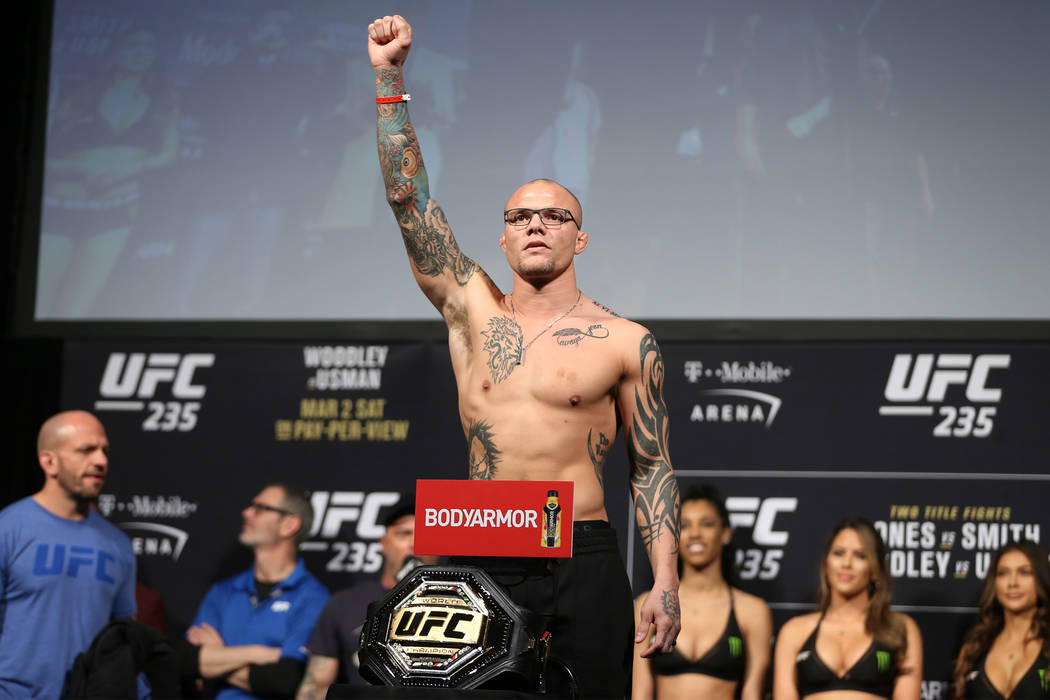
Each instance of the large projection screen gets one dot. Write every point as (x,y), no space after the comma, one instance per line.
(762,159)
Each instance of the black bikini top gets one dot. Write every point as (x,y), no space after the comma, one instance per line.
(1034,684)
(875,672)
(725,659)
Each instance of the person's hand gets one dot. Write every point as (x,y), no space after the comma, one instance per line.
(661,608)
(204,634)
(389,40)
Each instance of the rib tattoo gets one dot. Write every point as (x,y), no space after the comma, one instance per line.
(424,228)
(483,453)
(656,500)
(598,449)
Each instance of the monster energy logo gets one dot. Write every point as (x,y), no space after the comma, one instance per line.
(882,660)
(1044,680)
(736,647)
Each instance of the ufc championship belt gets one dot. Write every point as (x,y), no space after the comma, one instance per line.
(449,627)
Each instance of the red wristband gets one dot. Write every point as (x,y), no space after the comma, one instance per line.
(393,98)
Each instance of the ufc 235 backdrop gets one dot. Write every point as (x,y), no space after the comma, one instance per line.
(941,444)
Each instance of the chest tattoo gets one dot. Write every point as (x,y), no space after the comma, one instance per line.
(503,346)
(573,336)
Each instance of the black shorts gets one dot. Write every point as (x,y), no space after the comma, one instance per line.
(586,603)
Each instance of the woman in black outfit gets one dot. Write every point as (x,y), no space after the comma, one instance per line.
(854,646)
(724,644)
(1006,656)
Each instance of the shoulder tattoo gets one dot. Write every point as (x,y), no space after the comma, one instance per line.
(604,308)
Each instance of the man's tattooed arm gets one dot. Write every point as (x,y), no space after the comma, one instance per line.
(320,673)
(482,450)
(656,503)
(436,258)
(652,480)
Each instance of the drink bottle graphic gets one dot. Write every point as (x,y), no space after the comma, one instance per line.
(551,525)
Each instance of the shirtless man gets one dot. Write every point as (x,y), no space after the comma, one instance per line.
(546,376)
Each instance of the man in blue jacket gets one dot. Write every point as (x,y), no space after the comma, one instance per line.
(252,629)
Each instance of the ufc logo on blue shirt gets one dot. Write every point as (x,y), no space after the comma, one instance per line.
(52,561)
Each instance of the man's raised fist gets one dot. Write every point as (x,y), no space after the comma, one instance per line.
(389,39)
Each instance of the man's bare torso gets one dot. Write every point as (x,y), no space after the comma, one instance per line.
(554,416)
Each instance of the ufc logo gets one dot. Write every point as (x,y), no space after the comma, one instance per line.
(930,376)
(139,374)
(333,508)
(421,625)
(51,560)
(759,514)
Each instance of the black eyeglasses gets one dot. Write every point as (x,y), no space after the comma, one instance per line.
(551,216)
(257,507)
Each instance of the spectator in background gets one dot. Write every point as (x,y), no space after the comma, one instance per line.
(251,630)
(1007,653)
(333,647)
(854,646)
(65,572)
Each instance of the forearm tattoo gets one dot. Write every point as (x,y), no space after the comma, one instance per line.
(482,450)
(424,228)
(656,490)
(597,448)
(503,342)
(309,689)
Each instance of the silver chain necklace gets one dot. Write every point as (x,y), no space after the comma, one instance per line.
(513,313)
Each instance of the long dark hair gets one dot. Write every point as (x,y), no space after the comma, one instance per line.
(880,622)
(991,617)
(711,494)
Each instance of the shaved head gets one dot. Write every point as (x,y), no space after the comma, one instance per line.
(577,214)
(73,451)
(58,427)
